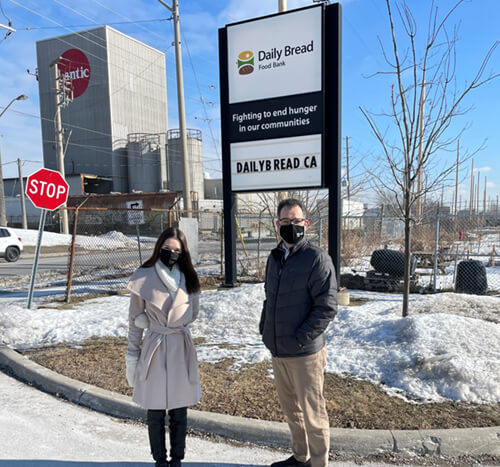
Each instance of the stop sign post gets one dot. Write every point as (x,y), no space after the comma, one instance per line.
(48,191)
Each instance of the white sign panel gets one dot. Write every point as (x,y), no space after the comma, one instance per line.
(276,163)
(135,218)
(276,56)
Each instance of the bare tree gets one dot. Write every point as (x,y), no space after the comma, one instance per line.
(425,98)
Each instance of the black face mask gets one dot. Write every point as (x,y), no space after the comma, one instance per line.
(292,233)
(169,258)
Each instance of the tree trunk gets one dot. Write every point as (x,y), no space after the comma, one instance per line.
(406,286)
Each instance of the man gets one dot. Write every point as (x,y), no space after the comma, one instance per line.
(301,300)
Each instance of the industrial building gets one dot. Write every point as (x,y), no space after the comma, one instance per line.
(114,115)
(114,86)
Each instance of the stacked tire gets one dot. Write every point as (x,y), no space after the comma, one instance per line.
(392,262)
(471,277)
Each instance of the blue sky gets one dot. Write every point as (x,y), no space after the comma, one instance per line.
(364,21)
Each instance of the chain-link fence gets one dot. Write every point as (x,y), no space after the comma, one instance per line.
(449,252)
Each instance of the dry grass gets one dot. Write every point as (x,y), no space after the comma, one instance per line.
(250,392)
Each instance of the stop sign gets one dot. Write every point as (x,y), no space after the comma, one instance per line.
(47,189)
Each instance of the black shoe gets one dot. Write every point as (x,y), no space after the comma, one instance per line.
(161,464)
(292,462)
(175,463)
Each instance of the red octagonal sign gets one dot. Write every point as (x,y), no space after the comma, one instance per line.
(47,189)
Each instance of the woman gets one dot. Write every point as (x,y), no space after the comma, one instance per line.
(163,369)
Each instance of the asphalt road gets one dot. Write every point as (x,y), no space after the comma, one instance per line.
(51,262)
(116,258)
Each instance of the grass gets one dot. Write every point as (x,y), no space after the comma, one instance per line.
(250,392)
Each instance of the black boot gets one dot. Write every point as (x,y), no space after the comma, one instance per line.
(177,425)
(156,431)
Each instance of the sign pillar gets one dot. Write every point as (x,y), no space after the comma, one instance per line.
(229,198)
(333,121)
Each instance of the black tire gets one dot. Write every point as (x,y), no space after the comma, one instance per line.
(12,254)
(392,262)
(471,277)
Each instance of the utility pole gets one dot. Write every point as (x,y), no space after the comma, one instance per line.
(174,9)
(3,214)
(484,197)
(59,95)
(477,194)
(347,174)
(471,200)
(21,192)
(456,176)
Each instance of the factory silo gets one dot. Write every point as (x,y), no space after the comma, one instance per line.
(144,162)
(175,176)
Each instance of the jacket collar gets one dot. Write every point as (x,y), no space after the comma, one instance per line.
(278,253)
(146,283)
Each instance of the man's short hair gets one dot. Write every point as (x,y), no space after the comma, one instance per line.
(289,203)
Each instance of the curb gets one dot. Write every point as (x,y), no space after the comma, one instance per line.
(344,441)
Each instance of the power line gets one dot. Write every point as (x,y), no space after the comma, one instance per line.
(126,52)
(201,97)
(92,131)
(3,12)
(93,24)
(125,17)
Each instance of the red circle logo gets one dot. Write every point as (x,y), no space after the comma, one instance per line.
(75,69)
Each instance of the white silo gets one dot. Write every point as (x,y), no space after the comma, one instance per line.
(175,174)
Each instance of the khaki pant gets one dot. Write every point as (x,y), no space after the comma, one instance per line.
(299,384)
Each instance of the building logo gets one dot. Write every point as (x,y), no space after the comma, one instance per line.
(75,69)
(245,62)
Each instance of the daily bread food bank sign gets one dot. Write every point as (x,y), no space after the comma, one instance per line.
(272,96)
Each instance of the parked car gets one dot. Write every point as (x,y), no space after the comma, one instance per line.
(11,245)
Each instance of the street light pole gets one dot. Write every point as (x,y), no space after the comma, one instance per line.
(174,9)
(3,215)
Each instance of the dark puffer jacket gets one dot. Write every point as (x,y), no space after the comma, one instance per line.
(301,300)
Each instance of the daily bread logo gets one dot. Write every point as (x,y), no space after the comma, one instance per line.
(245,62)
(272,58)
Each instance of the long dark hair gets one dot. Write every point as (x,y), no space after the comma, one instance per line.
(185,263)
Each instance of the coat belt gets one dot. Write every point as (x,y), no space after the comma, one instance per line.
(158,333)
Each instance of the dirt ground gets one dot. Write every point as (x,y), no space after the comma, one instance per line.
(250,392)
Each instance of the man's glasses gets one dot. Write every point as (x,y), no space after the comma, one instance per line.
(296,221)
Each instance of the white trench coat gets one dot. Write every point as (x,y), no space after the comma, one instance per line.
(167,374)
